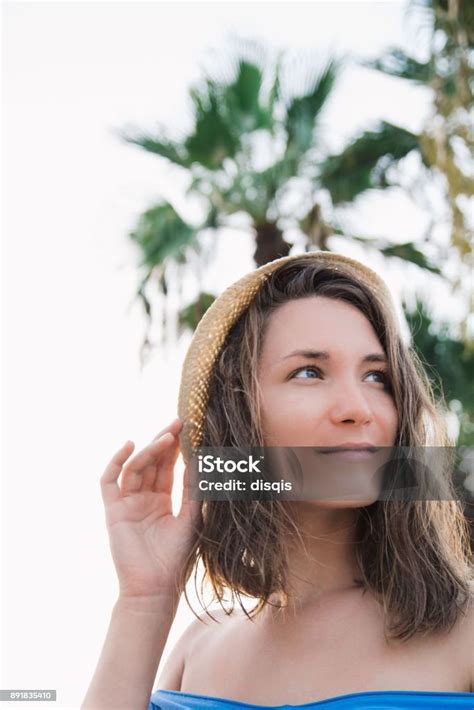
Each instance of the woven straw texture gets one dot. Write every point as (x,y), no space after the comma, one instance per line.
(222,315)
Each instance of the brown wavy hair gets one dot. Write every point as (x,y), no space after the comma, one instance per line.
(414,555)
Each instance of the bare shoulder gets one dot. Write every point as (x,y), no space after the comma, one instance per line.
(462,640)
(193,635)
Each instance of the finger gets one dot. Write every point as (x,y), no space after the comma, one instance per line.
(175,427)
(132,474)
(154,470)
(151,472)
(164,474)
(190,509)
(108,481)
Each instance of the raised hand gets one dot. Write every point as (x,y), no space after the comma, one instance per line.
(149,544)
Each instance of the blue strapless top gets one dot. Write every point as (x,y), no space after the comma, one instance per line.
(368,700)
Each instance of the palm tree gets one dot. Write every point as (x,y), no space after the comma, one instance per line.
(233,115)
(247,109)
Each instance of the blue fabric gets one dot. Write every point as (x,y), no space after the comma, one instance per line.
(369,700)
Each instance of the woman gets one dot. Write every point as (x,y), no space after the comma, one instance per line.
(360,604)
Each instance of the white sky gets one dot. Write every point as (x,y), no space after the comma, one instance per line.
(73,390)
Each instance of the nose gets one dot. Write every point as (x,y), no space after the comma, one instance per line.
(349,404)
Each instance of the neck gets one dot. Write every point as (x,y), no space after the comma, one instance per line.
(323,564)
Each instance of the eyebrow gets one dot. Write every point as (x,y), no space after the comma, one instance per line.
(324,355)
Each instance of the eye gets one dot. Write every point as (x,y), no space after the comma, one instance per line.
(315,372)
(380,373)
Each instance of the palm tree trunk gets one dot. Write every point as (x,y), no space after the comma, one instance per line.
(270,244)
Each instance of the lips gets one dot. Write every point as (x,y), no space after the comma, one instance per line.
(350,451)
(352,454)
(338,449)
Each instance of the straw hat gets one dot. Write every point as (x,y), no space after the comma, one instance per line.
(218,320)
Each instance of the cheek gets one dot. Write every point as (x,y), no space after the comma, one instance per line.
(284,413)
(282,403)
(389,417)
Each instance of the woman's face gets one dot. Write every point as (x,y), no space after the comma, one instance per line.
(317,387)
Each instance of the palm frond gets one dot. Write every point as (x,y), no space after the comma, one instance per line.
(396,63)
(162,233)
(303,112)
(364,163)
(409,252)
(274,95)
(189,317)
(214,139)
(242,99)
(165,147)
(254,191)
